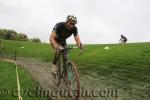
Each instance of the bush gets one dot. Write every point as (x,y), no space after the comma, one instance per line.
(22,37)
(13,35)
(35,40)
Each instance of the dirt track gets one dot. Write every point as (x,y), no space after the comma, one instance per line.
(41,72)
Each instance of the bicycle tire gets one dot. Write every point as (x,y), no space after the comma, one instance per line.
(74,84)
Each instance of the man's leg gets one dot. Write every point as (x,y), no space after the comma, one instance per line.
(54,67)
(55,58)
(65,67)
(125,40)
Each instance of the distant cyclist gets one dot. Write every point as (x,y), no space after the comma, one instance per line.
(60,33)
(123,39)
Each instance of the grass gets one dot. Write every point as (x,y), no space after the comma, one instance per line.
(126,67)
(8,82)
(30,50)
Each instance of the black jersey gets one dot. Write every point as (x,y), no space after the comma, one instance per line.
(123,37)
(63,33)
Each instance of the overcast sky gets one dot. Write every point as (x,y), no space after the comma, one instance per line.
(99,21)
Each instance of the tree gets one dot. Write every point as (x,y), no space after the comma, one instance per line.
(13,35)
(22,37)
(2,33)
(35,40)
(8,34)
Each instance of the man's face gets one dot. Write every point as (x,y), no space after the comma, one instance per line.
(70,24)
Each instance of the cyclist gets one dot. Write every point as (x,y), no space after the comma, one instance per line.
(60,33)
(123,39)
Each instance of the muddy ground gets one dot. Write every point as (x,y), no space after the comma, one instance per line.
(93,87)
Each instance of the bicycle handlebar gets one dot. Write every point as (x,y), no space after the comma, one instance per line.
(68,48)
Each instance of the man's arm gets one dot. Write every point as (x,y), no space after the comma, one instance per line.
(120,39)
(78,42)
(52,39)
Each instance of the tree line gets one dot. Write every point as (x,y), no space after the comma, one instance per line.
(7,34)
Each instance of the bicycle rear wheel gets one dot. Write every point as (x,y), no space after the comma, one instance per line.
(73,81)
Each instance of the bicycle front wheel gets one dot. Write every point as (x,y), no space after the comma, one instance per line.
(73,81)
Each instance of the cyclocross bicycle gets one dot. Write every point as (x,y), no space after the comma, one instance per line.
(67,73)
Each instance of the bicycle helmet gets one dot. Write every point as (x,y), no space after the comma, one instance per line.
(71,18)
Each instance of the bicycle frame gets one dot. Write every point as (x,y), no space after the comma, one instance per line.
(64,53)
(67,71)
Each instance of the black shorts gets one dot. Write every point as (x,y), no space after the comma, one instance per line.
(62,42)
(125,40)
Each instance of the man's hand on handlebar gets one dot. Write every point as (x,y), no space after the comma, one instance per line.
(81,46)
(58,47)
